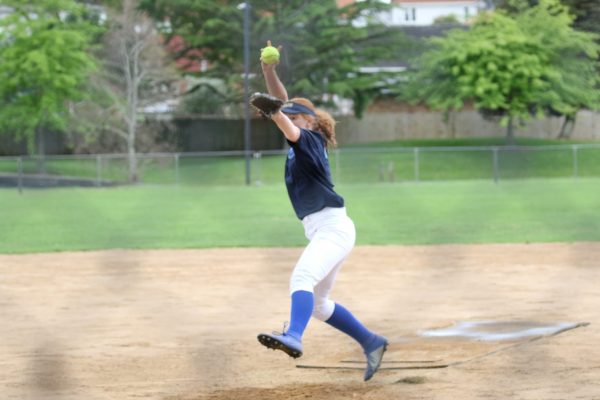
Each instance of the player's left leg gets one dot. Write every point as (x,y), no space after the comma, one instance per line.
(329,244)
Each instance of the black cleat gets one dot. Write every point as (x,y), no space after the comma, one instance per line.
(286,343)
(374,358)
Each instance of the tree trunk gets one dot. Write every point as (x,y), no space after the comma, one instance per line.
(510,135)
(132,78)
(132,162)
(41,150)
(132,128)
(131,133)
(567,127)
(450,121)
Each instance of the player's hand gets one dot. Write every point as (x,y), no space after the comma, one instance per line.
(270,67)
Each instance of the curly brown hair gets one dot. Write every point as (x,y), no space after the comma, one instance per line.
(324,122)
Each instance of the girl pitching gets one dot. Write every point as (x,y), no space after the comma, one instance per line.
(310,132)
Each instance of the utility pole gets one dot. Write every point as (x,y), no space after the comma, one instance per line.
(247,127)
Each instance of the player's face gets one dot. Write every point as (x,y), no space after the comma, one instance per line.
(300,121)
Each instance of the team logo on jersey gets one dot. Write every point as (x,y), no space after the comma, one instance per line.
(291,154)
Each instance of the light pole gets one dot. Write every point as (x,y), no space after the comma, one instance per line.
(247,127)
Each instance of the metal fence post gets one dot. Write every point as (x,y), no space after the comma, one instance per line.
(257,155)
(20,174)
(416,163)
(495,164)
(391,168)
(176,156)
(98,170)
(575,162)
(338,176)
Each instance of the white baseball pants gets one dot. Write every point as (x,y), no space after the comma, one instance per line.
(332,236)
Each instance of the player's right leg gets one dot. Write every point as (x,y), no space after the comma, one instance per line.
(336,315)
(374,345)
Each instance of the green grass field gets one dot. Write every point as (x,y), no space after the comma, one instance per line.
(474,211)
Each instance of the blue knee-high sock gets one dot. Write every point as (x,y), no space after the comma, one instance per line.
(343,320)
(302,308)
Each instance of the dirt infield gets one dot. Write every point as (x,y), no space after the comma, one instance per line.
(183,324)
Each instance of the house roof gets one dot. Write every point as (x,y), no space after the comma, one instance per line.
(400,2)
(342,3)
(403,55)
(427,31)
(5,10)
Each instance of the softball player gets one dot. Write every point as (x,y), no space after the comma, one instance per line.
(310,132)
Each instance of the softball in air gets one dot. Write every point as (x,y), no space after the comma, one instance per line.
(269,55)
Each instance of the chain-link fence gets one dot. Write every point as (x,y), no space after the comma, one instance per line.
(348,165)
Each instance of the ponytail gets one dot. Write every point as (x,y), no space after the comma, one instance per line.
(326,125)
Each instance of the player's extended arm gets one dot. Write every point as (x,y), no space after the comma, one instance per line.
(285,125)
(274,84)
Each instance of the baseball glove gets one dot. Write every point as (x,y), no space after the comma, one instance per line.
(266,104)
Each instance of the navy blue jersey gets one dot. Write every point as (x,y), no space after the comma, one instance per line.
(308,177)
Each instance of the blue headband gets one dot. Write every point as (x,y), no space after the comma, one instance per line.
(295,108)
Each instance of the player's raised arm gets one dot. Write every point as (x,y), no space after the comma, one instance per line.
(270,107)
(269,59)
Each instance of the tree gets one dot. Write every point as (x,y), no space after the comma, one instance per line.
(134,74)
(44,62)
(575,79)
(581,15)
(587,15)
(324,45)
(446,20)
(515,7)
(131,35)
(586,12)
(510,68)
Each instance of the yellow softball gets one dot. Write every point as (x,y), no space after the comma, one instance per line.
(269,55)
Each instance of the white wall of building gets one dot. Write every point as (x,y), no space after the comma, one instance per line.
(422,13)
(426,13)
(400,125)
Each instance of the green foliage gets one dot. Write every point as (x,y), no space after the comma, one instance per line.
(572,75)
(447,19)
(587,14)
(511,67)
(44,62)
(514,7)
(493,65)
(208,96)
(322,47)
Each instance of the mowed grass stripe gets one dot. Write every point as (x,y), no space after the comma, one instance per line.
(141,217)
